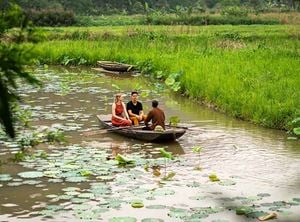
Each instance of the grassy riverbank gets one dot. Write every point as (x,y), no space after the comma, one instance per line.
(249,72)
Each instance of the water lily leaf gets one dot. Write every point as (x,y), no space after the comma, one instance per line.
(137,204)
(79,200)
(122,219)
(256,214)
(14,184)
(87,215)
(76,179)
(163,192)
(122,160)
(169,176)
(213,178)
(115,86)
(47,213)
(220,220)
(244,210)
(296,199)
(197,149)
(5,177)
(51,196)
(157,207)
(170,81)
(166,154)
(264,195)
(55,180)
(227,182)
(207,210)
(70,189)
(292,138)
(176,86)
(85,173)
(296,131)
(86,195)
(179,213)
(152,220)
(31,182)
(31,174)
(106,178)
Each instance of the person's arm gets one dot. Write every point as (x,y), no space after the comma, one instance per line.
(149,118)
(125,111)
(141,113)
(131,113)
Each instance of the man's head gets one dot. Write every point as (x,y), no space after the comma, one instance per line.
(154,103)
(134,96)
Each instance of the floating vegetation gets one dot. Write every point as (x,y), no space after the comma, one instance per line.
(213,178)
(90,186)
(122,160)
(137,204)
(31,174)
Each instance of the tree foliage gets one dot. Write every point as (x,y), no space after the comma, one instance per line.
(12,60)
(89,7)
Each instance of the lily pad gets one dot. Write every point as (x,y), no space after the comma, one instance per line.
(122,219)
(137,204)
(227,182)
(178,213)
(76,179)
(5,177)
(244,210)
(152,220)
(264,195)
(31,174)
(157,207)
(163,192)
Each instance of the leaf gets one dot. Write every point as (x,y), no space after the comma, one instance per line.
(296,131)
(31,174)
(213,178)
(176,86)
(197,149)
(85,173)
(169,176)
(169,81)
(115,86)
(137,204)
(174,120)
(272,215)
(243,210)
(122,219)
(122,160)
(166,154)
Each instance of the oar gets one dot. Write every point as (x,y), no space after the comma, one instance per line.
(103,131)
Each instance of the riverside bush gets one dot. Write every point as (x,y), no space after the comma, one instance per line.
(51,17)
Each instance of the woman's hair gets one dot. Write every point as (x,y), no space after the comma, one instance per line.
(117,97)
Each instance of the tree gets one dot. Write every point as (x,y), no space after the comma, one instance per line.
(12,60)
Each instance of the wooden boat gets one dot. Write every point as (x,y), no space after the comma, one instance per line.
(115,66)
(136,132)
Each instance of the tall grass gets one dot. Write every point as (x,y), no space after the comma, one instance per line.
(249,72)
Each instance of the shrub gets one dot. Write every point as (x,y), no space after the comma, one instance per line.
(234,11)
(51,17)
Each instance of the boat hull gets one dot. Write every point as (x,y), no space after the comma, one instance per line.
(170,134)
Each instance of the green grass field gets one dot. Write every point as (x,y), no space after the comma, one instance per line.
(249,72)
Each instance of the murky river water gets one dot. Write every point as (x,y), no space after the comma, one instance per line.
(257,167)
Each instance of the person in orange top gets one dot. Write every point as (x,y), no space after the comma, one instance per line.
(119,113)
